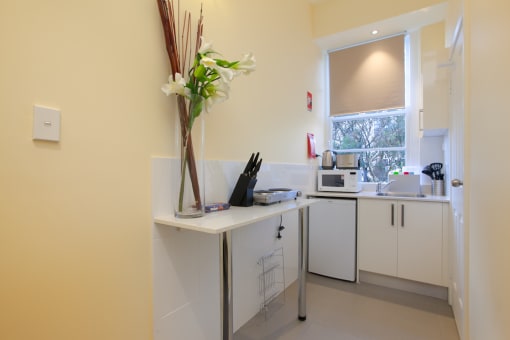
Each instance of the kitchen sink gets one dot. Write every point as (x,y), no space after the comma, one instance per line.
(400,194)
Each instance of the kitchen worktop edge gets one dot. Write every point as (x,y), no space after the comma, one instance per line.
(373,195)
(235,217)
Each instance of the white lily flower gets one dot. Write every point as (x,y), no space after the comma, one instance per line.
(226,74)
(205,47)
(211,81)
(220,94)
(208,62)
(246,65)
(209,102)
(177,86)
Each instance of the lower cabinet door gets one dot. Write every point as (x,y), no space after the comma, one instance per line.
(377,236)
(420,241)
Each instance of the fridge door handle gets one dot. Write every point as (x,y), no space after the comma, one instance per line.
(392,214)
(402,216)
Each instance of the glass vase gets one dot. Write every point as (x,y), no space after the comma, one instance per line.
(189,186)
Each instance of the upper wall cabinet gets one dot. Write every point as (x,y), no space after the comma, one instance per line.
(434,67)
(453,21)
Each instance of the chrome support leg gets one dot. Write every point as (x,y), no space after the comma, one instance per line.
(302,255)
(226,305)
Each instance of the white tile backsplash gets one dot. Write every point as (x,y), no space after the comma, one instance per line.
(221,177)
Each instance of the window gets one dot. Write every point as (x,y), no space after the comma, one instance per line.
(378,137)
(365,119)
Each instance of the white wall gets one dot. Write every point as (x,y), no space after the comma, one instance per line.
(433,149)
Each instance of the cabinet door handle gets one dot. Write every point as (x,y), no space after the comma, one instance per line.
(392,214)
(402,216)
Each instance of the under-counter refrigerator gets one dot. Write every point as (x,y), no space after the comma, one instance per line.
(332,238)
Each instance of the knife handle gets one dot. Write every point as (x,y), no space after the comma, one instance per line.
(256,169)
(249,164)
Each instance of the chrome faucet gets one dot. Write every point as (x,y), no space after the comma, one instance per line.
(381,187)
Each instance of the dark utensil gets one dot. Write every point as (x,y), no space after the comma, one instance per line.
(436,166)
(427,171)
(436,169)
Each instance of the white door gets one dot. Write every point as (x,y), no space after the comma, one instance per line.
(459,236)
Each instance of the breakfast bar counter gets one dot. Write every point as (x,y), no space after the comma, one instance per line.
(222,223)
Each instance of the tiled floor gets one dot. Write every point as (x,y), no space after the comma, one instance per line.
(342,310)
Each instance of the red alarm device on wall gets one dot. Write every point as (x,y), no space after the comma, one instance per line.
(311,145)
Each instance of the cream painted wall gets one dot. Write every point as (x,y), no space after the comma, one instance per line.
(75,216)
(267,111)
(334,16)
(489,118)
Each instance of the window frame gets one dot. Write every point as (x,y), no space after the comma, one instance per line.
(413,100)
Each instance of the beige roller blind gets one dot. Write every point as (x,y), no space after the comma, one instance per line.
(367,77)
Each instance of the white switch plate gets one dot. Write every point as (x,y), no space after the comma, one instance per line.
(46,124)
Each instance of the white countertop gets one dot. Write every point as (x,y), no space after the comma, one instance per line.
(235,217)
(372,195)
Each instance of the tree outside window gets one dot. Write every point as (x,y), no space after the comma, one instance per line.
(378,137)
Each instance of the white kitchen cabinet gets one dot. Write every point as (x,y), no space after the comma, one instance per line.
(453,21)
(435,80)
(402,238)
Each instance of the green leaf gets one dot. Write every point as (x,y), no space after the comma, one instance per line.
(200,72)
(226,63)
(222,63)
(197,102)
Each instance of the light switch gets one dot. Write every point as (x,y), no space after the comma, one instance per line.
(46,124)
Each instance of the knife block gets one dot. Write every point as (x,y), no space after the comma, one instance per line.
(242,196)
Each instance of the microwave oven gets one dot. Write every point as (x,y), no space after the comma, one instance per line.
(339,180)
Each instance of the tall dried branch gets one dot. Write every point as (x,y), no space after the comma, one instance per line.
(168,20)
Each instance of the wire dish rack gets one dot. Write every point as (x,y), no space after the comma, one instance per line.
(272,280)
